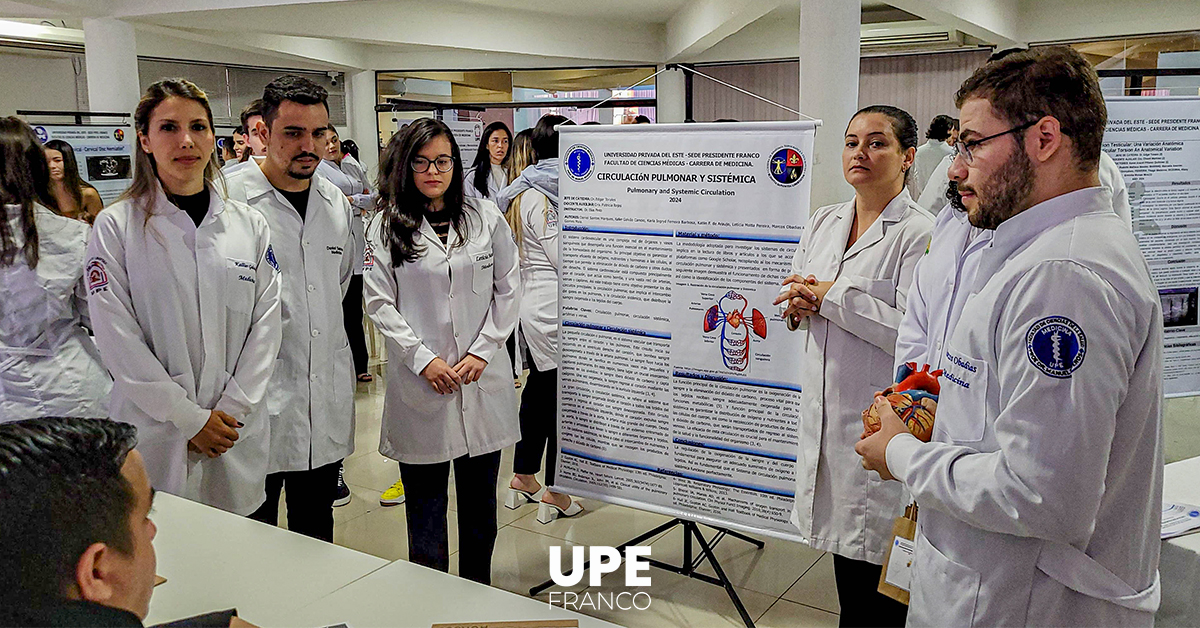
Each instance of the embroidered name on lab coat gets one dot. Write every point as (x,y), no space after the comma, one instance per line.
(336,250)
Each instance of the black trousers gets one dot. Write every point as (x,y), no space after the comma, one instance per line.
(426,501)
(310,497)
(858,592)
(539,423)
(352,313)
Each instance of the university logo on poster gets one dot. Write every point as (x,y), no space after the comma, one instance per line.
(786,166)
(580,162)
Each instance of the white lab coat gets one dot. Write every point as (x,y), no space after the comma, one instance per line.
(311,396)
(929,156)
(933,196)
(49,365)
(187,319)
(496,181)
(539,278)
(363,198)
(477,285)
(840,507)
(941,283)
(353,190)
(1041,492)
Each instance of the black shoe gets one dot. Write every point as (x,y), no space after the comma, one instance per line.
(342,497)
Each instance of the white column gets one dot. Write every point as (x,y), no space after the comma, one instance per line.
(110,51)
(669,91)
(829,55)
(363,121)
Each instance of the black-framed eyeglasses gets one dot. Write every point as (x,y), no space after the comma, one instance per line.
(443,164)
(964,148)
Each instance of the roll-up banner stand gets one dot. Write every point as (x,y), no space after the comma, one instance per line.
(104,153)
(679,387)
(1155,142)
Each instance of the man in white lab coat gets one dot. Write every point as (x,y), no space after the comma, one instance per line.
(311,395)
(252,114)
(1040,494)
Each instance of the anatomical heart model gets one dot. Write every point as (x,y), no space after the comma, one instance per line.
(914,399)
(729,315)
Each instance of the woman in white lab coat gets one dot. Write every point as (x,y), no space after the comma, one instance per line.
(49,366)
(847,293)
(488,174)
(356,191)
(442,288)
(535,219)
(183,290)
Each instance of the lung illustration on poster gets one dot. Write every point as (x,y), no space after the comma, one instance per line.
(729,316)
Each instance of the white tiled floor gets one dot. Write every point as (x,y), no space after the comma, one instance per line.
(785,584)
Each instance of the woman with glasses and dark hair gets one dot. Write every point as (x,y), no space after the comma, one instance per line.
(442,285)
(74,196)
(49,366)
(488,173)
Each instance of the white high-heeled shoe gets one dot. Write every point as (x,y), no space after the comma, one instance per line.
(548,512)
(517,498)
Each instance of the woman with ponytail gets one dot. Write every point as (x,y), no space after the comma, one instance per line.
(183,289)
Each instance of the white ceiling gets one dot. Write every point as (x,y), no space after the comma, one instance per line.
(389,34)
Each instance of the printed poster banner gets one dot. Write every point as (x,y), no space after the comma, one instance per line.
(679,381)
(104,153)
(467,134)
(1155,141)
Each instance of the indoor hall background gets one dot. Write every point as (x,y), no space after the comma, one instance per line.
(921,84)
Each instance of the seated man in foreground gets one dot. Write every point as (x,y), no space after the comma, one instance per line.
(76,536)
(76,540)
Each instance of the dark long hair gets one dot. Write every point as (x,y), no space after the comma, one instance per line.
(402,204)
(350,148)
(24,180)
(73,183)
(145,170)
(483,156)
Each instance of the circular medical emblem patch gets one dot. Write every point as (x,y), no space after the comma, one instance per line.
(786,166)
(1056,346)
(579,162)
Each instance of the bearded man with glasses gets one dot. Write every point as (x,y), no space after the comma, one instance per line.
(1040,491)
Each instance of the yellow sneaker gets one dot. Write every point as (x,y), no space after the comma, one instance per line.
(393,496)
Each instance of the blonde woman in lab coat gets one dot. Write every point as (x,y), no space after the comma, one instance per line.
(442,287)
(49,365)
(847,293)
(183,290)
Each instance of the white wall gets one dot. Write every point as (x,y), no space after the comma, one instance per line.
(35,82)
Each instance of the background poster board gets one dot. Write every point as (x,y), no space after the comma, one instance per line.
(104,153)
(467,135)
(679,381)
(1155,141)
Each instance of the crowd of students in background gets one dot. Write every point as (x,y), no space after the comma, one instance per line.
(217,306)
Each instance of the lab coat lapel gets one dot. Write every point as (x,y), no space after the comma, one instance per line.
(431,235)
(891,214)
(211,270)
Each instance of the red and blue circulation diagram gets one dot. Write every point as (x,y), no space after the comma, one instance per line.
(729,315)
